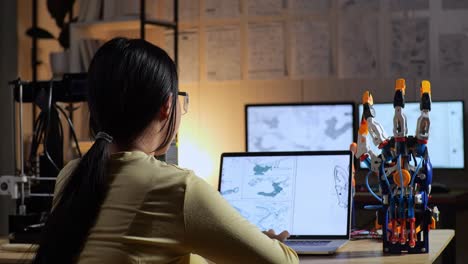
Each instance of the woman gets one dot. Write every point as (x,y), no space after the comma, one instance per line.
(118,204)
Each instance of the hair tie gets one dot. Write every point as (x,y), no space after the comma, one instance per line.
(104,136)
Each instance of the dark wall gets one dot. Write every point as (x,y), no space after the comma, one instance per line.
(8,71)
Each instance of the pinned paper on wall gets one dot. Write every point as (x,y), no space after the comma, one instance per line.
(357,46)
(404,5)
(409,51)
(267,54)
(189,10)
(359,5)
(307,6)
(216,9)
(189,58)
(453,55)
(454,4)
(265,7)
(222,53)
(310,49)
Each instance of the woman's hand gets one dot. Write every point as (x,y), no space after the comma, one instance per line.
(281,236)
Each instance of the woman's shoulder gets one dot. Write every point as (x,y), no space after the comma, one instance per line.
(144,166)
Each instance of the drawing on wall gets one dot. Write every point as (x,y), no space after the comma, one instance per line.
(341,186)
(222,51)
(357,46)
(307,6)
(402,5)
(222,9)
(453,55)
(189,10)
(265,7)
(358,5)
(409,52)
(266,54)
(188,59)
(311,49)
(454,4)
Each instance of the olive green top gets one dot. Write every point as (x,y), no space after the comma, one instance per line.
(159,213)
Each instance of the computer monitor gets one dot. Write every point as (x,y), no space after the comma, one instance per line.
(299,127)
(446,133)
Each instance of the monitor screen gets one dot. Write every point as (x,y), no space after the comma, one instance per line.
(445,145)
(299,127)
(283,192)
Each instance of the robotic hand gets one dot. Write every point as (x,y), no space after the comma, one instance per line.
(404,171)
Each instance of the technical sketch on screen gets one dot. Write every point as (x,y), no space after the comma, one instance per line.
(311,49)
(267,181)
(341,186)
(453,55)
(409,52)
(357,46)
(283,192)
(266,215)
(299,128)
(229,188)
(269,178)
(222,53)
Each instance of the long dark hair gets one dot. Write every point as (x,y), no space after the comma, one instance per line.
(129,81)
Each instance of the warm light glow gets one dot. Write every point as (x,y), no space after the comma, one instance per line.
(194,157)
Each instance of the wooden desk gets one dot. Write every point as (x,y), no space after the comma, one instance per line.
(14,253)
(448,203)
(370,251)
(358,251)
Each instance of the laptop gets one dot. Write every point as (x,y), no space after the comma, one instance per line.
(306,193)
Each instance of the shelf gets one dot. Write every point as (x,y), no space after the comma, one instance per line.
(164,23)
(130,26)
(124,23)
(120,24)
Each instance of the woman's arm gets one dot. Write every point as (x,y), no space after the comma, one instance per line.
(215,230)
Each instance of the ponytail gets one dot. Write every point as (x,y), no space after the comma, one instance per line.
(129,82)
(77,207)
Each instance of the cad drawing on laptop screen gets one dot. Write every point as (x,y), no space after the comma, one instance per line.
(308,195)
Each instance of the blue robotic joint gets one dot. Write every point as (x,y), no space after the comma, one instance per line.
(403,170)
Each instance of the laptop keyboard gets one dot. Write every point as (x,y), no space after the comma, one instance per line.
(307,243)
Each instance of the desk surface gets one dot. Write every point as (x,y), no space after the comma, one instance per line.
(358,251)
(370,251)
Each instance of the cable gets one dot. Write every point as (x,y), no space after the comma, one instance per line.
(386,181)
(72,129)
(418,167)
(38,123)
(60,128)
(49,109)
(401,177)
(369,188)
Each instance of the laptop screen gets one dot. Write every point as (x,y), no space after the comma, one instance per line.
(305,193)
